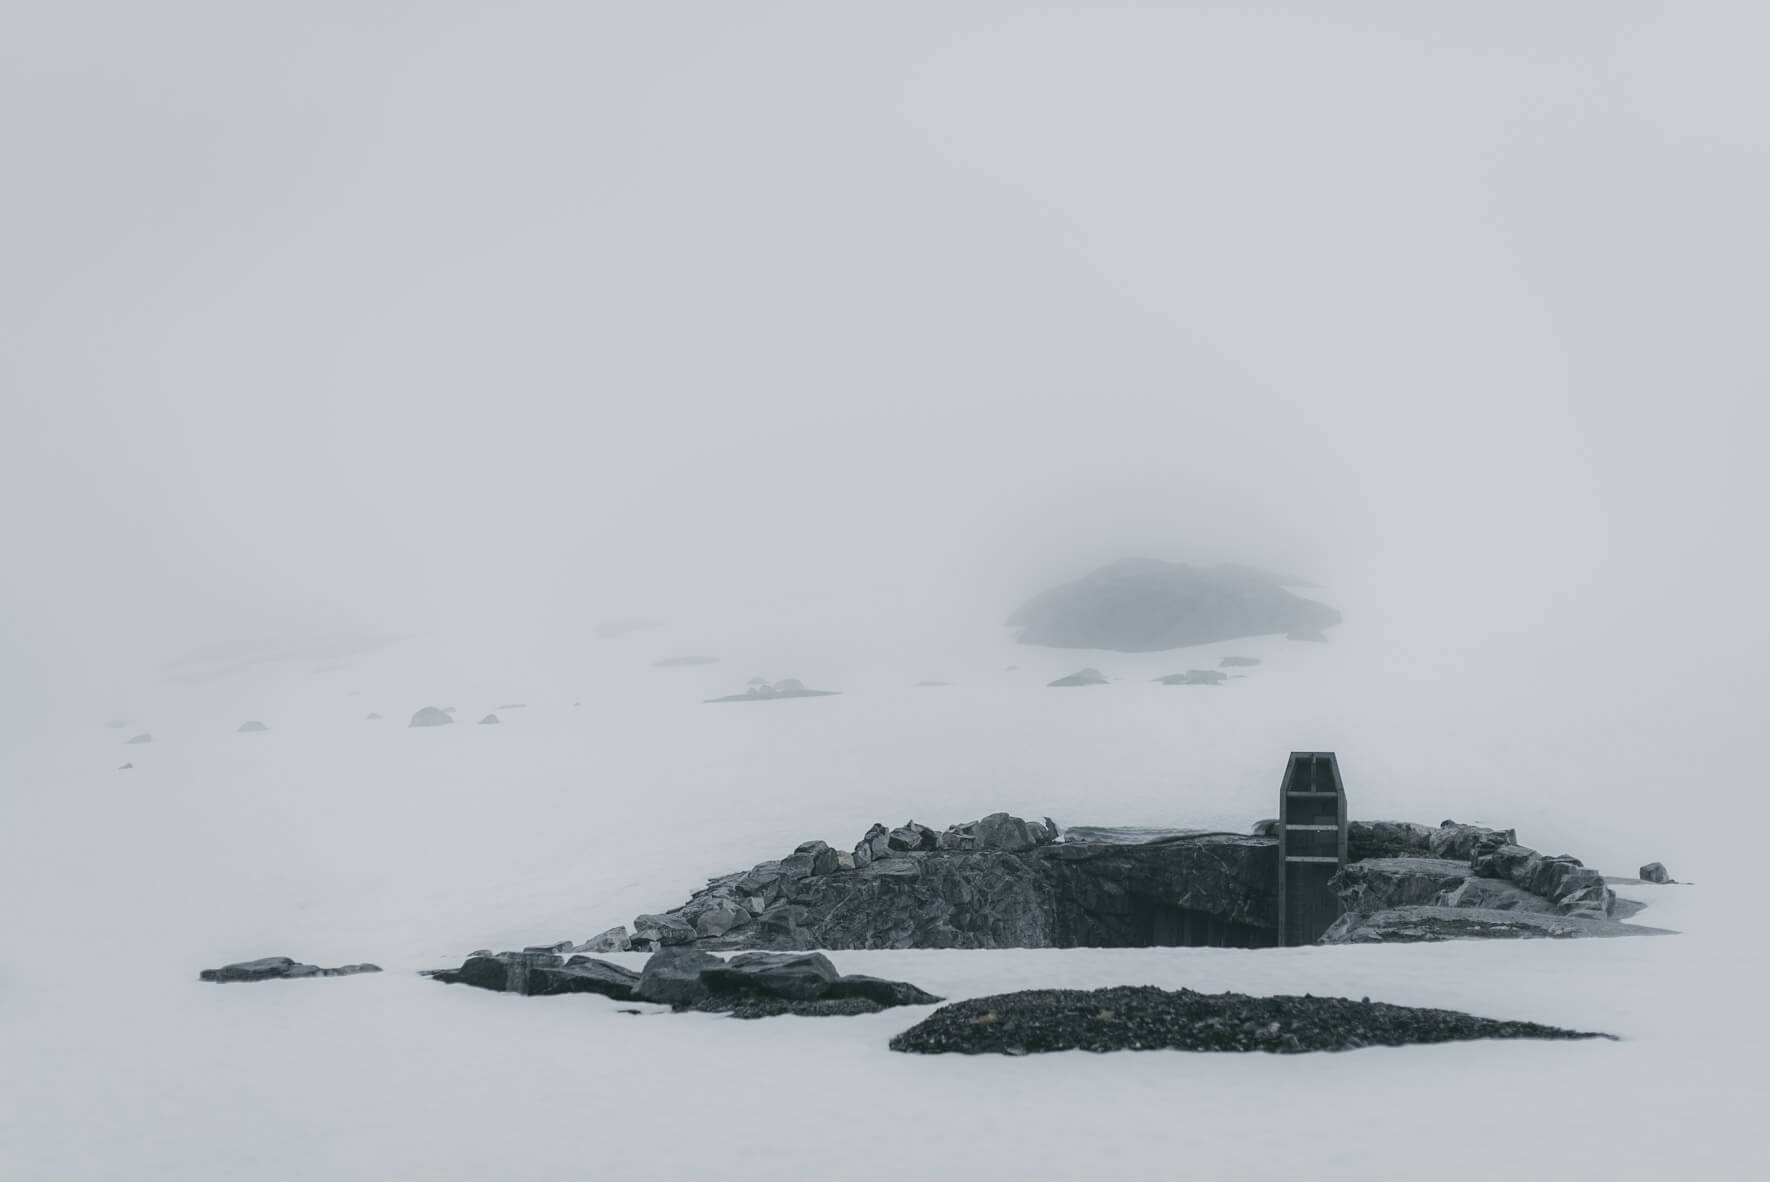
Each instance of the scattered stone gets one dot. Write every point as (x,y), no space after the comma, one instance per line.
(1143,1018)
(144,737)
(678,662)
(125,767)
(1144,605)
(431,716)
(1080,677)
(1656,872)
(613,940)
(657,931)
(489,720)
(673,976)
(279,967)
(1238,662)
(246,728)
(1195,677)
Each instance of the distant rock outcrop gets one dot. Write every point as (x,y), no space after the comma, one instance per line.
(431,716)
(124,767)
(680,662)
(1656,872)
(1145,605)
(489,720)
(272,968)
(1195,677)
(786,687)
(251,727)
(1080,677)
(144,737)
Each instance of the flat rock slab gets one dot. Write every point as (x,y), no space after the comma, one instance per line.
(1144,1018)
(272,968)
(1414,925)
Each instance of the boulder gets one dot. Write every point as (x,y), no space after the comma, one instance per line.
(250,727)
(1656,872)
(613,940)
(123,767)
(794,976)
(557,946)
(1145,605)
(430,716)
(999,831)
(581,974)
(797,866)
(1080,677)
(827,861)
(673,976)
(1457,842)
(371,717)
(1387,839)
(489,720)
(879,990)
(279,967)
(144,737)
(1408,925)
(655,931)
(1267,828)
(720,918)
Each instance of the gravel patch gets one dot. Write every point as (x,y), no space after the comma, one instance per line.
(1144,1018)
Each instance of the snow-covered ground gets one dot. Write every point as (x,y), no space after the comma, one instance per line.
(334,839)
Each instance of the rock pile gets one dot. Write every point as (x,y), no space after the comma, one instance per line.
(1144,1018)
(271,968)
(752,985)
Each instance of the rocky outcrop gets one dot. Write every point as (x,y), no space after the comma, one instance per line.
(271,968)
(755,984)
(1080,677)
(1142,1017)
(144,737)
(431,716)
(1145,605)
(998,882)
(250,727)
(1195,677)
(1656,872)
(1387,839)
(613,940)
(490,720)
(786,687)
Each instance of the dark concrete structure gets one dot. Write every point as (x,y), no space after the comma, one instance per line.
(1311,846)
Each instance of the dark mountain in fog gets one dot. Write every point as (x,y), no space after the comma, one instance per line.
(1145,605)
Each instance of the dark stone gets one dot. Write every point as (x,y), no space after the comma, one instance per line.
(431,716)
(1267,828)
(557,946)
(1457,842)
(1656,872)
(1144,605)
(651,931)
(673,976)
(879,991)
(250,727)
(999,831)
(1410,925)
(271,968)
(826,861)
(1142,1018)
(797,866)
(1080,677)
(794,976)
(613,940)
(581,974)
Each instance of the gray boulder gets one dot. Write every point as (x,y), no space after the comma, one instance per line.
(673,976)
(658,931)
(613,940)
(581,974)
(431,716)
(144,737)
(1458,842)
(1080,677)
(1387,839)
(1657,873)
(489,720)
(1267,828)
(123,767)
(370,717)
(999,831)
(1145,605)
(246,728)
(795,976)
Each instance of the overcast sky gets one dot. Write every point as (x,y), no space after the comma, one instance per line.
(375,315)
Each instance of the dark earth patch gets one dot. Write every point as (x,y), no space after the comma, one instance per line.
(1144,1018)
